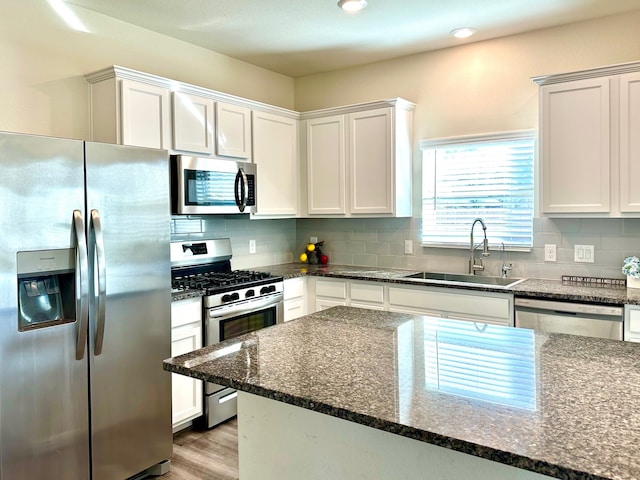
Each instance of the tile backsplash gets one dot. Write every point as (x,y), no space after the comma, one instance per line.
(275,239)
(380,242)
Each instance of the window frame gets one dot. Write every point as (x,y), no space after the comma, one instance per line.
(432,144)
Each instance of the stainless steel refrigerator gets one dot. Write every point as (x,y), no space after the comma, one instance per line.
(84,309)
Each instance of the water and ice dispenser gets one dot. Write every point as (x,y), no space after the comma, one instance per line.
(46,288)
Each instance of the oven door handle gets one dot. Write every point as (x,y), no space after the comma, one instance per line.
(230,311)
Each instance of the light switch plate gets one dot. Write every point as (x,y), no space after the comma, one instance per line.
(583,253)
(252,246)
(408,246)
(313,240)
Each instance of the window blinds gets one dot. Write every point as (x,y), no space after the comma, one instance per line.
(489,178)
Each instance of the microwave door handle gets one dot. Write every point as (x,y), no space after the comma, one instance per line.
(82,283)
(96,226)
(243,183)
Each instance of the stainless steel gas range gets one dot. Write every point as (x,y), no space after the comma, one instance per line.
(235,302)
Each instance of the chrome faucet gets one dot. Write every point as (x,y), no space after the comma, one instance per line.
(473,266)
(505,267)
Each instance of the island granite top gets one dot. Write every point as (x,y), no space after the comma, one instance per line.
(560,405)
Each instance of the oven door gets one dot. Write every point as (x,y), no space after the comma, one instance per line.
(230,321)
(222,323)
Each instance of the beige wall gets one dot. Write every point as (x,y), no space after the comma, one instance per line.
(42,89)
(479,87)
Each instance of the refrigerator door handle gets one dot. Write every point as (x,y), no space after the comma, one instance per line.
(82,283)
(96,227)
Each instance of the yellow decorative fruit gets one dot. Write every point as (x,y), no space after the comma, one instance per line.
(303,257)
(311,247)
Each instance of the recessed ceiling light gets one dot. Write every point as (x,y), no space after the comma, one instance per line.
(463,32)
(352,6)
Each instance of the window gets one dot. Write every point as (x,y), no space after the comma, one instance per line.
(488,177)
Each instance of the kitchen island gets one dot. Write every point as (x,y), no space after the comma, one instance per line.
(352,393)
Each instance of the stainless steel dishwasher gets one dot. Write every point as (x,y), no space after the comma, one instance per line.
(568,317)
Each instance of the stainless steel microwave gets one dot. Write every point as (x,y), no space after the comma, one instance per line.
(210,185)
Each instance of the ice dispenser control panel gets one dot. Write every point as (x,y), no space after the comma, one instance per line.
(46,288)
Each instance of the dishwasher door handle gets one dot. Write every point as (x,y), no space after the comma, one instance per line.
(568,308)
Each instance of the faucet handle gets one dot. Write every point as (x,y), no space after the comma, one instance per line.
(505,269)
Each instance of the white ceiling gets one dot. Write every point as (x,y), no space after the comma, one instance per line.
(302,37)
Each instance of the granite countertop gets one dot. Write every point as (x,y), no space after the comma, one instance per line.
(538,288)
(560,405)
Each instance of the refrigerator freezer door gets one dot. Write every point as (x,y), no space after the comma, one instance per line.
(43,388)
(128,191)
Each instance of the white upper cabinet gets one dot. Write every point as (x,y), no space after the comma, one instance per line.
(589,154)
(371,161)
(275,152)
(629,142)
(136,108)
(326,165)
(358,163)
(233,133)
(145,115)
(130,112)
(574,143)
(193,126)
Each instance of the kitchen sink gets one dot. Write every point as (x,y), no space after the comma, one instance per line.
(464,278)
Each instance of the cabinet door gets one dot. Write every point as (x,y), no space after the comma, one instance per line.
(192,123)
(186,392)
(575,140)
(629,142)
(275,152)
(146,118)
(371,162)
(326,165)
(632,323)
(233,131)
(366,295)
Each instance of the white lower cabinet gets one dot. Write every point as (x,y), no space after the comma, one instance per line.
(632,323)
(366,295)
(295,298)
(186,336)
(330,293)
(469,305)
(486,307)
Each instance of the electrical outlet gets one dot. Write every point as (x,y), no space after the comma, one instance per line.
(549,252)
(313,239)
(408,246)
(583,254)
(252,246)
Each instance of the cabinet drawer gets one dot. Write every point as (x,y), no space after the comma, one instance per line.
(330,288)
(293,288)
(294,309)
(367,292)
(186,311)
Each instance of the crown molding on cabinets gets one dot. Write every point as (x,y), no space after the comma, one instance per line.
(176,86)
(358,107)
(585,74)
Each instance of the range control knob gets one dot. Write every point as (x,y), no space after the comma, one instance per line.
(230,297)
(267,289)
(250,293)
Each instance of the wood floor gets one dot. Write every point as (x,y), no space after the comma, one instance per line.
(205,454)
